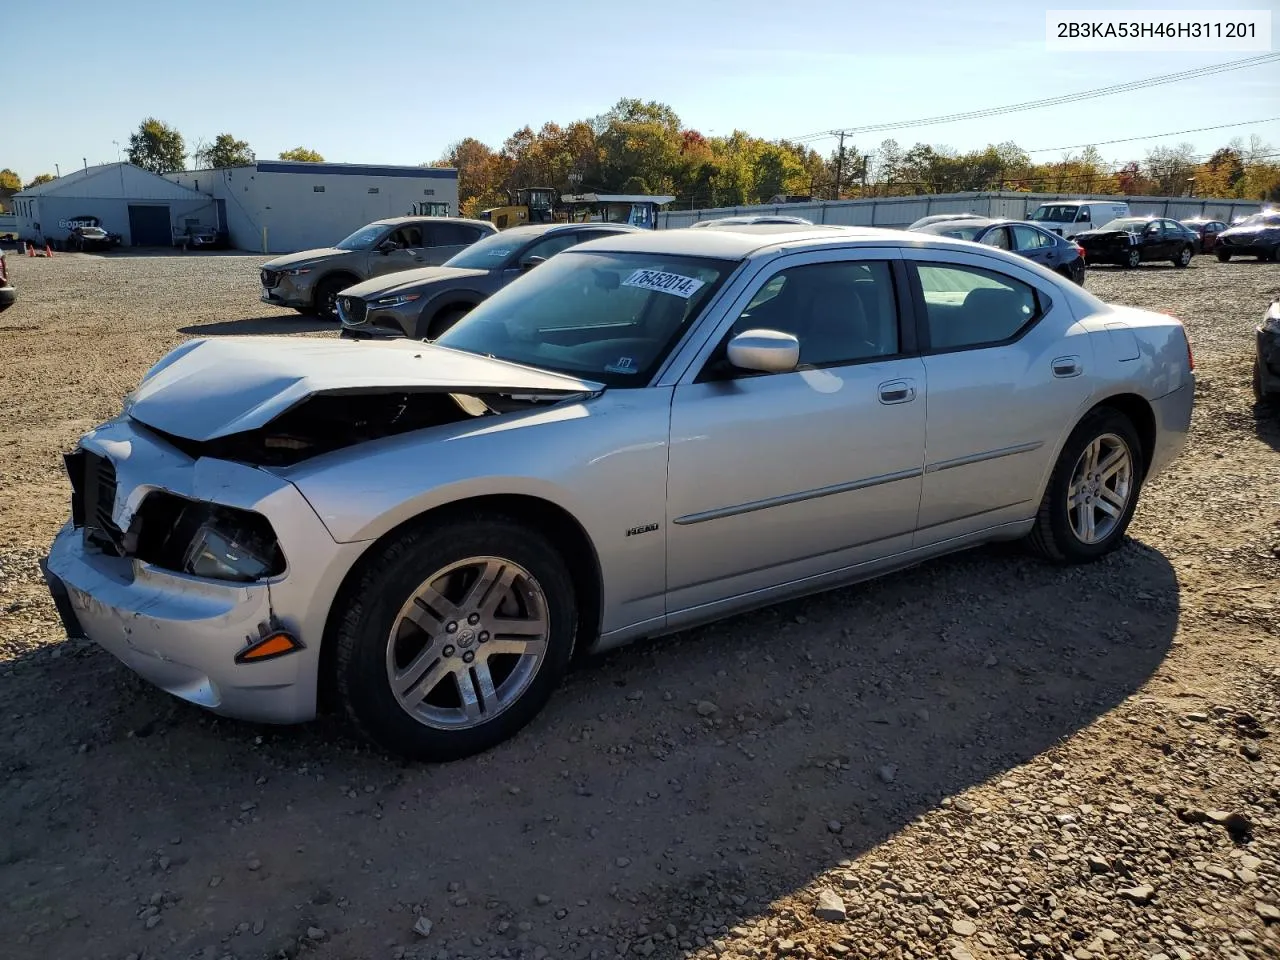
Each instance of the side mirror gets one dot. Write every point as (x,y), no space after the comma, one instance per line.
(765,351)
(530,262)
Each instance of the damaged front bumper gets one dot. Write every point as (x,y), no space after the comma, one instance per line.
(183,632)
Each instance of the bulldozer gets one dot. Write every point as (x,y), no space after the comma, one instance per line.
(528,205)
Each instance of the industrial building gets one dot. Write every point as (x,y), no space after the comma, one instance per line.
(266,207)
(144,208)
(281,207)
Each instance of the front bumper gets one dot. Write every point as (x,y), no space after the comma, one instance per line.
(287,293)
(181,632)
(1258,248)
(381,322)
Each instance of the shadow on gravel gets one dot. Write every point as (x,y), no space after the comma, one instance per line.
(1266,423)
(261,326)
(695,777)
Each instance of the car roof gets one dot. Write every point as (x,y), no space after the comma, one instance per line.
(392,221)
(738,242)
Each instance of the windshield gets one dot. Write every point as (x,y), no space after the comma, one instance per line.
(950,228)
(1267,219)
(1055,213)
(605,316)
(362,239)
(1125,223)
(487,254)
(92,232)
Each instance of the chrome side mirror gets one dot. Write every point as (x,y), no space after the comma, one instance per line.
(765,351)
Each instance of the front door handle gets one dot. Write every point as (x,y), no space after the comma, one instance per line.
(897,391)
(1067,367)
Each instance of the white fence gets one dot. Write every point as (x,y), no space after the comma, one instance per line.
(900,211)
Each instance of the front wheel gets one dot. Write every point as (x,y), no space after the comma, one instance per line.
(1223,256)
(1092,492)
(1183,258)
(443,321)
(1133,258)
(324,302)
(455,637)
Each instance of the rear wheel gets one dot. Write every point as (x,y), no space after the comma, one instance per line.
(1133,258)
(1259,391)
(1092,492)
(1183,258)
(455,637)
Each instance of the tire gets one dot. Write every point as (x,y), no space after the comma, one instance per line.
(1259,394)
(443,320)
(1054,536)
(1184,257)
(1223,256)
(367,652)
(324,302)
(1133,259)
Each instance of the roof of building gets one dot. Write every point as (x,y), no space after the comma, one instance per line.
(614,198)
(340,169)
(112,180)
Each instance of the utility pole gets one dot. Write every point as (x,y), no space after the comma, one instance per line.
(839,166)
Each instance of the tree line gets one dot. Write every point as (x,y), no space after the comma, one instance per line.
(643,147)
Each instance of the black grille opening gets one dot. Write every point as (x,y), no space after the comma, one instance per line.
(354,309)
(99,498)
(270,278)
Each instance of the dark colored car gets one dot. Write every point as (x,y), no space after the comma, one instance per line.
(426,302)
(200,237)
(1016,236)
(1255,236)
(1206,230)
(86,238)
(1130,241)
(8,295)
(1266,364)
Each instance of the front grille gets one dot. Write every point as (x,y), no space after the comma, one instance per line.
(353,310)
(98,489)
(270,278)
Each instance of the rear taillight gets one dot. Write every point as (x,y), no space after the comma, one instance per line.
(1079,249)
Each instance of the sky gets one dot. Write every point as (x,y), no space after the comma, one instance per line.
(398,80)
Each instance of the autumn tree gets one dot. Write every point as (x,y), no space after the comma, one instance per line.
(40,178)
(302,155)
(157,147)
(225,151)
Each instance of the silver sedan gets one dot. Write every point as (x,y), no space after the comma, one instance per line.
(648,432)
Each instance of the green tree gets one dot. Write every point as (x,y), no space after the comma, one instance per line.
(302,155)
(225,151)
(157,147)
(10,182)
(38,179)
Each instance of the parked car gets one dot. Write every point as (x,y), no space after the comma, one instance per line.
(8,294)
(1131,241)
(1070,217)
(748,219)
(424,303)
(310,281)
(1266,362)
(1206,230)
(941,218)
(1254,236)
(647,432)
(86,238)
(200,237)
(1048,249)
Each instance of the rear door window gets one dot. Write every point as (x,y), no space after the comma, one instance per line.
(973,307)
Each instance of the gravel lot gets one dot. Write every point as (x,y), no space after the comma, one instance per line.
(983,757)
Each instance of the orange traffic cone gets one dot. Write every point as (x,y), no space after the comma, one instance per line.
(48,250)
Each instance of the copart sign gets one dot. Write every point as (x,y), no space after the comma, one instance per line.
(79,222)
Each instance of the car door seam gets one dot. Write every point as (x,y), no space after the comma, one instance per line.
(973,458)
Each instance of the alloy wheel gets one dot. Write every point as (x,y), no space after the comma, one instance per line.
(468,643)
(1135,258)
(1100,488)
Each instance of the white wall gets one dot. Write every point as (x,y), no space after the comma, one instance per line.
(113,213)
(284,203)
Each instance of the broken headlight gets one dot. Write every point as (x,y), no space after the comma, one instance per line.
(204,540)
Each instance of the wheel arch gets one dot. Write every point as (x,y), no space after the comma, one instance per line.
(335,274)
(447,301)
(553,521)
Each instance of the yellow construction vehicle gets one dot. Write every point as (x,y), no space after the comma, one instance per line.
(529,205)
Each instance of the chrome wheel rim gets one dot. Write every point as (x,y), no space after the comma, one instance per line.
(1135,258)
(1100,488)
(468,643)
(1185,257)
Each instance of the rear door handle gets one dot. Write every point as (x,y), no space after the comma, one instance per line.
(897,391)
(1066,367)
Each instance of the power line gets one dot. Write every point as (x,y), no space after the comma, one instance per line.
(1153,136)
(1051,101)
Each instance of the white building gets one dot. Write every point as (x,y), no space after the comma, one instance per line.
(284,206)
(144,208)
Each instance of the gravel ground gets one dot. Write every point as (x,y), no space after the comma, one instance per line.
(983,757)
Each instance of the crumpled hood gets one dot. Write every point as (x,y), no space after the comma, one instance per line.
(1102,235)
(213,388)
(409,279)
(1251,230)
(304,256)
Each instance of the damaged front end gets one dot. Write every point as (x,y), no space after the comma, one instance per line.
(1266,366)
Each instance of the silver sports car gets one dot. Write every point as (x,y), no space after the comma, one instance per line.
(648,432)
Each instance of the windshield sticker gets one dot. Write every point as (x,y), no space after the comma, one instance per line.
(683,287)
(624,365)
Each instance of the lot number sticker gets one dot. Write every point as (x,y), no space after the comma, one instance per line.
(674,283)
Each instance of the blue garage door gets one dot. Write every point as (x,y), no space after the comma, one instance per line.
(149,226)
